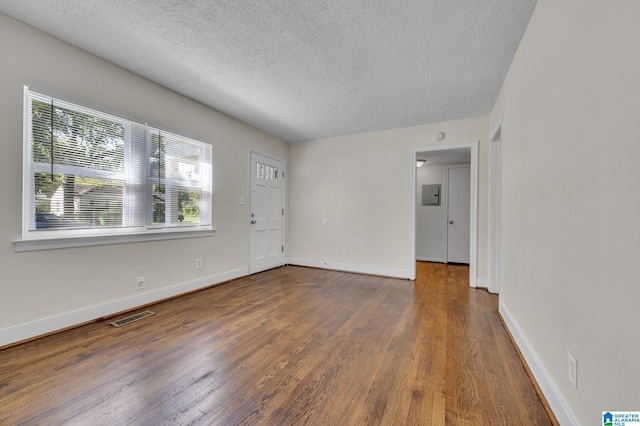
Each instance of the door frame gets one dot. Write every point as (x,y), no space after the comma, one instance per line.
(495,208)
(473,205)
(283,189)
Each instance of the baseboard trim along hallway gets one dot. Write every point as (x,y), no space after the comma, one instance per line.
(553,396)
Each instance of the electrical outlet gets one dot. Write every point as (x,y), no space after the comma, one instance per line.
(573,370)
(140,283)
(199,263)
(344,251)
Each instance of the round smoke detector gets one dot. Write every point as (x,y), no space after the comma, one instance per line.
(438,137)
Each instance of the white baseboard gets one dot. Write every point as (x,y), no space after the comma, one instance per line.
(558,405)
(348,267)
(482,282)
(430,259)
(47,325)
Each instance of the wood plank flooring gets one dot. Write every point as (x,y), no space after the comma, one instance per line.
(290,346)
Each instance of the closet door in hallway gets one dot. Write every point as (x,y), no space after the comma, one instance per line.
(458,214)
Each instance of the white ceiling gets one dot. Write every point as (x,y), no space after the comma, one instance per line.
(304,70)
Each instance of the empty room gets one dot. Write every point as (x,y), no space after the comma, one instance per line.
(322,213)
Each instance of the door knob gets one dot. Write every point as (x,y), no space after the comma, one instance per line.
(253,221)
(450,222)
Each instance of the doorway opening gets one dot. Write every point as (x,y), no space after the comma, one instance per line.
(451,234)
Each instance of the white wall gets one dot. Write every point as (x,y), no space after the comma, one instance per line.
(430,219)
(360,184)
(571,204)
(45,290)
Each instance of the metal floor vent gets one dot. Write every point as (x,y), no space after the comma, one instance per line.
(132,318)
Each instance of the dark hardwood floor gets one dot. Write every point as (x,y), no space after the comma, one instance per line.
(290,346)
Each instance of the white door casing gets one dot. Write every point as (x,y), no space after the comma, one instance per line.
(495,209)
(458,214)
(266,213)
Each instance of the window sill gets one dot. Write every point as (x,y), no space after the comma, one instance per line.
(99,240)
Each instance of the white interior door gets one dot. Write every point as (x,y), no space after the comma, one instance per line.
(458,214)
(266,213)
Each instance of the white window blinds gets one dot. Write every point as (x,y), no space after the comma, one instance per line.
(180,180)
(88,172)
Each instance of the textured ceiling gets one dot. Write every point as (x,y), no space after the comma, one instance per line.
(304,70)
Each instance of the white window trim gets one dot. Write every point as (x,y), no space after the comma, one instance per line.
(60,238)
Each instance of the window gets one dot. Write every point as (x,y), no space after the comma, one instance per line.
(92,173)
(265,171)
